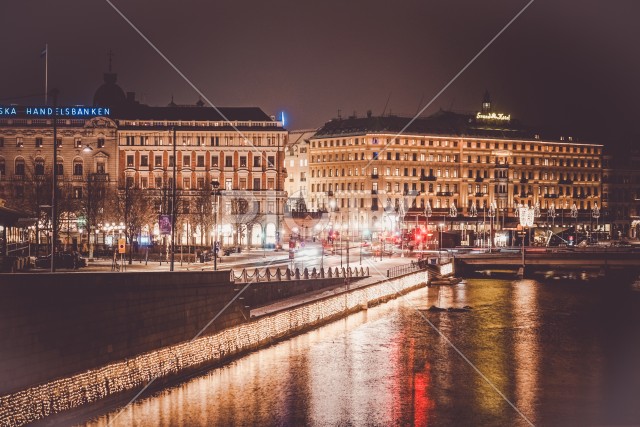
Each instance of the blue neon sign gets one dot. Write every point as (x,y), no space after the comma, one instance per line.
(76,111)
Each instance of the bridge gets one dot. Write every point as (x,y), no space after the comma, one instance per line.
(544,259)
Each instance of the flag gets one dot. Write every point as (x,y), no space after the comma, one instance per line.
(44,52)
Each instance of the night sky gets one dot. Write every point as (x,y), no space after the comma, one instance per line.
(571,66)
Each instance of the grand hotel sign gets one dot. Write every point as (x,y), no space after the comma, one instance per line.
(494,116)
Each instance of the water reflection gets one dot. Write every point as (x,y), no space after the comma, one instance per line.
(525,325)
(547,347)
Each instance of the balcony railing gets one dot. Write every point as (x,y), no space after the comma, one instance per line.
(565,181)
(101,177)
(480,194)
(479,179)
(523,180)
(444,193)
(374,176)
(374,191)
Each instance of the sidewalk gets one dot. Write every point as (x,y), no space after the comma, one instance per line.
(321,293)
(224,263)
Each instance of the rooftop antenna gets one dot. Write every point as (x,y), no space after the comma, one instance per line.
(453,101)
(339,116)
(385,105)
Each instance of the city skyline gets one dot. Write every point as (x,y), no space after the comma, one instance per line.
(553,67)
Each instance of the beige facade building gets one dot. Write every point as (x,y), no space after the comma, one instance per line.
(382,171)
(86,165)
(296,160)
(621,195)
(239,148)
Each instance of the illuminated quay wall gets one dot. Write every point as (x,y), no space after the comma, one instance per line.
(54,326)
(126,375)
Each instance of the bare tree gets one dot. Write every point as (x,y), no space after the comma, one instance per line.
(134,207)
(69,209)
(32,194)
(203,212)
(242,215)
(93,205)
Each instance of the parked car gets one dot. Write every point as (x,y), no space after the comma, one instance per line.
(231,250)
(63,260)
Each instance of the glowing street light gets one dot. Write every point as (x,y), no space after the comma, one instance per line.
(526,216)
(595,213)
(574,215)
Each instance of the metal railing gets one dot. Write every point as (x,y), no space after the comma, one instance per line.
(285,274)
(401,270)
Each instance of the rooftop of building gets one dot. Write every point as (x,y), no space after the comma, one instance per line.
(484,124)
(126,107)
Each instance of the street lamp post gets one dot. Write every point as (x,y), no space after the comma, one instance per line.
(473,213)
(216,246)
(551,213)
(492,212)
(174,211)
(574,215)
(442,225)
(526,215)
(427,214)
(90,188)
(54,199)
(595,213)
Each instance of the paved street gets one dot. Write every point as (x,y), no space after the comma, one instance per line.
(309,256)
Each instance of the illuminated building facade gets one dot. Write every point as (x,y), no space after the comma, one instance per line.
(621,194)
(296,160)
(240,148)
(86,166)
(300,221)
(381,179)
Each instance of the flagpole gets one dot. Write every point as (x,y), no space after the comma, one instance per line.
(46,72)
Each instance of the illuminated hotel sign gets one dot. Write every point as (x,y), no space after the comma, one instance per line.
(76,111)
(494,116)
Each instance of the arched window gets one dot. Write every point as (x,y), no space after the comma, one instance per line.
(19,166)
(77,167)
(39,167)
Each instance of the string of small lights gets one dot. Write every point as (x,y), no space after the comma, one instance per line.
(38,402)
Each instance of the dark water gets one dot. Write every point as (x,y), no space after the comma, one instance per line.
(562,353)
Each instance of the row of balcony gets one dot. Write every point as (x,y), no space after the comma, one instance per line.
(477,194)
(480,179)
(214,168)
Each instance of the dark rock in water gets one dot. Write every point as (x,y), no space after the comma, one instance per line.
(457,310)
(450,309)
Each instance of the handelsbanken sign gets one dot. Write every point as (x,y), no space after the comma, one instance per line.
(75,111)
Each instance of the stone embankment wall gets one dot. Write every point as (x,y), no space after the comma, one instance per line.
(132,373)
(54,325)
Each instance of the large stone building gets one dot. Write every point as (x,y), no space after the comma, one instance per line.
(379,172)
(124,146)
(239,148)
(86,166)
(296,160)
(621,194)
